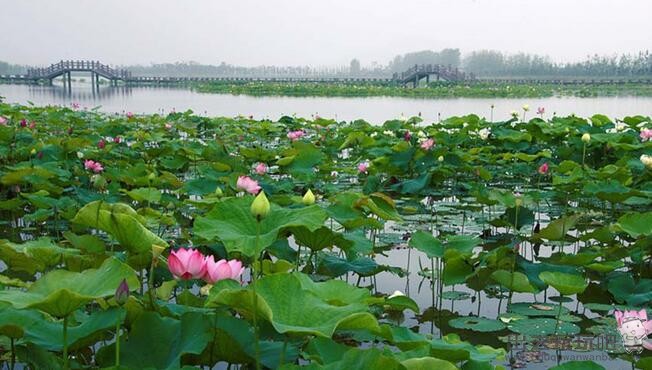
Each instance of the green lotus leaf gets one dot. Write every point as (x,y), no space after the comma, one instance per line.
(481,324)
(150,195)
(453,349)
(427,363)
(401,303)
(121,222)
(514,281)
(636,224)
(626,290)
(34,255)
(427,243)
(292,305)
(46,333)
(61,292)
(542,327)
(566,284)
(232,223)
(157,342)
(536,309)
(557,229)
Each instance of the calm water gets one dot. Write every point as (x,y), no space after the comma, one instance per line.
(372,109)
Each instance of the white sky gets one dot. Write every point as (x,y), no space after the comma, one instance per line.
(313,32)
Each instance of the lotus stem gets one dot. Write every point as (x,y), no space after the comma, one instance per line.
(255,310)
(65,343)
(514,253)
(558,315)
(13,353)
(117,343)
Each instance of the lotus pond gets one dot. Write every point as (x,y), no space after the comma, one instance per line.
(180,241)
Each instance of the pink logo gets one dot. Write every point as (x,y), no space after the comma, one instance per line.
(634,328)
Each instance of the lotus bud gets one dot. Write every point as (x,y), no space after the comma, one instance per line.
(218,191)
(80,155)
(32,152)
(526,107)
(440,158)
(308,198)
(519,201)
(586,138)
(646,160)
(260,206)
(151,176)
(122,293)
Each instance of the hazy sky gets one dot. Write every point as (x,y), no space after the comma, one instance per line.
(325,32)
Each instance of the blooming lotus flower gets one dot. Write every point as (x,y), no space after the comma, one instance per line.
(101,144)
(3,121)
(248,184)
(428,144)
(130,115)
(222,269)
(93,166)
(168,126)
(261,168)
(407,136)
(543,169)
(646,160)
(117,139)
(484,133)
(32,125)
(295,135)
(23,123)
(187,264)
(541,111)
(363,167)
(75,105)
(646,134)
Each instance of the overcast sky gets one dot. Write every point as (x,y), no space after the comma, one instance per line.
(314,32)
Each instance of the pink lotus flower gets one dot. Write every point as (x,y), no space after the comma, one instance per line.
(296,135)
(32,125)
(117,139)
(248,184)
(222,269)
(75,105)
(646,134)
(261,168)
(130,115)
(3,121)
(363,167)
(428,144)
(541,111)
(407,136)
(23,123)
(543,169)
(101,144)
(187,264)
(168,126)
(93,166)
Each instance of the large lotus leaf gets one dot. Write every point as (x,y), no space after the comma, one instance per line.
(557,229)
(453,349)
(542,327)
(536,309)
(232,223)
(151,195)
(626,290)
(122,222)
(34,255)
(481,324)
(61,292)
(44,332)
(319,239)
(290,308)
(337,292)
(514,281)
(365,359)
(427,363)
(636,224)
(428,244)
(566,284)
(157,342)
(334,266)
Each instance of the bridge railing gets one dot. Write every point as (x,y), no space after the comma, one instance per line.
(78,65)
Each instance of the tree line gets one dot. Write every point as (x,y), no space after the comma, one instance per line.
(482,63)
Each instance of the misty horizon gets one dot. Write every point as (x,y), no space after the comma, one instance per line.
(295,33)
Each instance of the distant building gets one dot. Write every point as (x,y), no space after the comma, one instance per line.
(354,70)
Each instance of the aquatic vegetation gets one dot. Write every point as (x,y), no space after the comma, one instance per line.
(434,90)
(186,241)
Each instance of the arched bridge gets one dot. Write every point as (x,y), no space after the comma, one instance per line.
(65,69)
(441,72)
